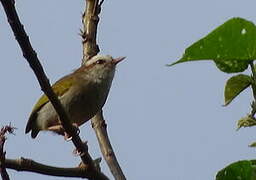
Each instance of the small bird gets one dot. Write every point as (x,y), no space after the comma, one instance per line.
(82,93)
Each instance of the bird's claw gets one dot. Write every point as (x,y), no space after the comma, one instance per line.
(76,152)
(67,137)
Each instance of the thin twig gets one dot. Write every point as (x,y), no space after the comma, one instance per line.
(90,48)
(253,105)
(101,2)
(3,131)
(31,57)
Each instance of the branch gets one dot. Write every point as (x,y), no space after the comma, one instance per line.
(90,48)
(3,131)
(100,127)
(253,89)
(31,57)
(23,164)
(90,21)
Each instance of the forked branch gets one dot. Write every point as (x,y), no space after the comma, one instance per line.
(91,48)
(3,131)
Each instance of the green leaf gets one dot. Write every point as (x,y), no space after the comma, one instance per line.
(241,170)
(253,145)
(247,121)
(231,66)
(235,40)
(234,86)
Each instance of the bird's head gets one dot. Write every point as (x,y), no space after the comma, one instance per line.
(101,66)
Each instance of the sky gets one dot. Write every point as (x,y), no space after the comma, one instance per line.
(164,122)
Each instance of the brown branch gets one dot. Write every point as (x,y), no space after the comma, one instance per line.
(100,127)
(90,48)
(3,131)
(90,21)
(253,85)
(23,164)
(31,57)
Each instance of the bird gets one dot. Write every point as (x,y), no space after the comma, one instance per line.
(82,93)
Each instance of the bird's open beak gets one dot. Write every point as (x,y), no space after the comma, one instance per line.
(117,60)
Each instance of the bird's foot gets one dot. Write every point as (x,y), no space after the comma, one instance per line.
(60,130)
(76,152)
(67,137)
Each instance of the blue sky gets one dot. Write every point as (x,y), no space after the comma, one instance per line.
(164,122)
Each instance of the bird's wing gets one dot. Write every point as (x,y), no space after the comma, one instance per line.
(59,88)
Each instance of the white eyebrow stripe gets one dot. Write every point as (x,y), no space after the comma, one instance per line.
(98,57)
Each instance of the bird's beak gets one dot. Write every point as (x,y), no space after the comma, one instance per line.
(117,60)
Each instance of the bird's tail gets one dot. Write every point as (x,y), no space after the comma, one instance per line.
(32,126)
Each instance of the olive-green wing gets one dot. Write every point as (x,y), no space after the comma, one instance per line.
(59,88)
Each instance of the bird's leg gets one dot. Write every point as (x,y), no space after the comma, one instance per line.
(60,130)
(57,129)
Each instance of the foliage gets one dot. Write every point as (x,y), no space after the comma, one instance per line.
(235,85)
(241,170)
(232,47)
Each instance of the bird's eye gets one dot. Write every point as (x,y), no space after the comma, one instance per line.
(100,61)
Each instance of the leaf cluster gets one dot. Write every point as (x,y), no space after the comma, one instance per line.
(232,47)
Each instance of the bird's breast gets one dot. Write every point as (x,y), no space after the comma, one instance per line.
(83,102)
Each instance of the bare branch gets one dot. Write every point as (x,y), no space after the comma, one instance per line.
(101,2)
(31,57)
(3,131)
(100,127)
(90,21)
(29,165)
(90,48)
